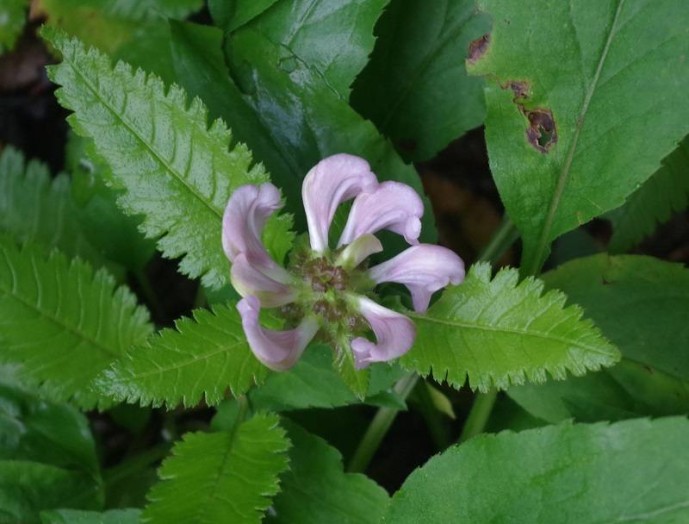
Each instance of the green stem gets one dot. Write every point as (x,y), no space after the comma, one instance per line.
(379,426)
(479,415)
(504,237)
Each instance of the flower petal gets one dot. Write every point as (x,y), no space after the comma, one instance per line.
(245,215)
(424,269)
(329,183)
(278,350)
(391,205)
(249,280)
(356,252)
(394,332)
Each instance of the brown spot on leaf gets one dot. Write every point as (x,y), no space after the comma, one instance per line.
(478,47)
(520,88)
(542,132)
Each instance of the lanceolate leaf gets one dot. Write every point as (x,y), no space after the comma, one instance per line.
(585,99)
(34,208)
(63,323)
(666,192)
(317,490)
(221,477)
(175,171)
(334,37)
(415,88)
(633,471)
(200,359)
(649,300)
(500,332)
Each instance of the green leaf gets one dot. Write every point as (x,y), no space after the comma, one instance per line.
(73,516)
(200,359)
(316,489)
(332,37)
(12,20)
(141,10)
(585,99)
(181,191)
(231,15)
(221,477)
(665,193)
(640,304)
(307,119)
(626,472)
(26,488)
(416,88)
(502,332)
(314,383)
(43,431)
(62,323)
(35,208)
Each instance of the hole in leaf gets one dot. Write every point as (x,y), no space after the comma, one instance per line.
(478,47)
(541,133)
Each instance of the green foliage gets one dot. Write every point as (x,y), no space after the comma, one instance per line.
(47,455)
(415,88)
(199,360)
(73,516)
(12,19)
(61,323)
(306,118)
(650,300)
(313,382)
(665,193)
(221,477)
(180,190)
(232,15)
(613,76)
(502,332)
(627,471)
(316,489)
(36,209)
(334,37)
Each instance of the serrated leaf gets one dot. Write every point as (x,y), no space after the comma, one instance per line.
(333,37)
(73,516)
(62,323)
(201,359)
(317,490)
(27,487)
(221,477)
(640,304)
(415,87)
(42,431)
(175,170)
(35,208)
(585,99)
(12,20)
(502,332)
(625,472)
(665,193)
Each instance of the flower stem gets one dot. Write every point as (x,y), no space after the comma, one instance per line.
(479,415)
(504,237)
(379,426)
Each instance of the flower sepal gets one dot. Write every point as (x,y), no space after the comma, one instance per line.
(355,379)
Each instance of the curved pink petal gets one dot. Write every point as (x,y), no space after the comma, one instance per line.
(391,205)
(329,183)
(424,269)
(278,350)
(394,332)
(249,280)
(245,215)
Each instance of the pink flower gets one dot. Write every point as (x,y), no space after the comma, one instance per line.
(329,289)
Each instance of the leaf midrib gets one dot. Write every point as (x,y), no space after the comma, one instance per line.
(563,178)
(177,176)
(45,314)
(525,333)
